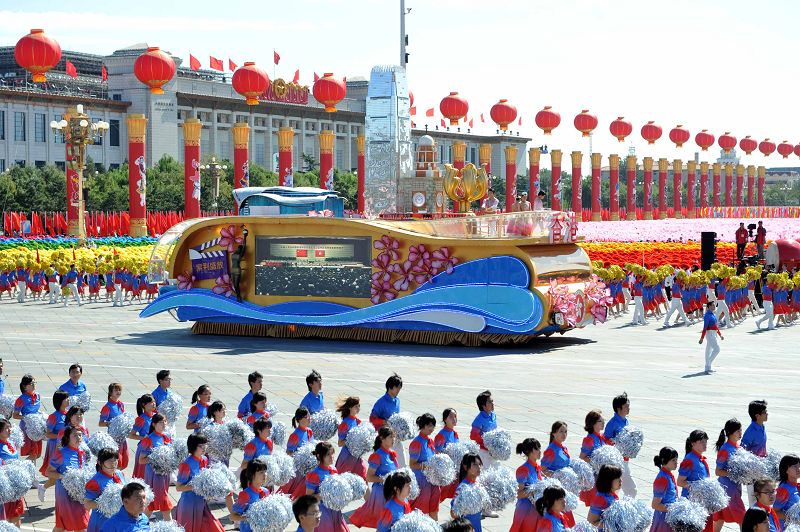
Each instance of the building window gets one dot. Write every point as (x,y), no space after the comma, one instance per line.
(113,166)
(2,126)
(40,164)
(19,127)
(20,163)
(58,137)
(113,133)
(116,97)
(2,165)
(340,159)
(39,131)
(260,160)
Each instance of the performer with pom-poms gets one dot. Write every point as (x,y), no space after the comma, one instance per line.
(594,439)
(145,410)
(74,386)
(12,511)
(331,520)
(787,495)
(201,399)
(70,514)
(55,422)
(164,379)
(113,408)
(380,463)
(525,515)
(387,405)
(754,438)
(727,444)
(131,516)
(302,435)
(765,497)
(74,419)
(107,473)
(622,407)
(556,457)
(192,511)
(258,408)
(256,381)
(158,483)
(608,483)
(485,421)
(695,466)
(445,437)
(306,512)
(346,462)
(420,450)
(252,479)
(261,444)
(396,489)
(551,507)
(314,400)
(468,472)
(28,402)
(665,490)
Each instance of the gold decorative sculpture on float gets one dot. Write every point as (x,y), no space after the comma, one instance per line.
(466,185)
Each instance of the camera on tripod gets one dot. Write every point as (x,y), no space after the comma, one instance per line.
(750,229)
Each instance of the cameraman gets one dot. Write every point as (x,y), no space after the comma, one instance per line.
(741,240)
(761,239)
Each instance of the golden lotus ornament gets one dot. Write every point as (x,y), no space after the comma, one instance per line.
(466,185)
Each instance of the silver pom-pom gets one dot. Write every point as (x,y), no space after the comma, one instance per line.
(416,521)
(5,526)
(166,526)
(793,514)
(270,514)
(771,463)
(585,473)
(240,432)
(403,425)
(498,443)
(213,482)
(536,490)
(357,484)
(304,460)
(569,479)
(583,526)
(629,441)
(271,409)
(17,437)
(324,424)
(606,455)
(163,460)
(19,475)
(280,468)
(110,501)
(744,467)
(627,515)
(335,492)
(6,490)
(35,426)
(791,527)
(470,499)
(82,401)
(220,444)
(501,485)
(101,440)
(709,494)
(171,407)
(440,470)
(180,450)
(74,481)
(457,450)
(414,493)
(359,439)
(121,426)
(278,433)
(684,515)
(7,405)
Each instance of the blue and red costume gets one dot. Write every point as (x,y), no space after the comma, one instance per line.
(525,515)
(55,424)
(107,414)
(484,422)
(591,442)
(474,519)
(330,520)
(382,462)
(94,283)
(94,488)
(73,389)
(70,515)
(664,488)
(109,283)
(755,439)
(159,483)
(192,512)
(141,426)
(346,462)
(300,437)
(255,416)
(444,438)
(244,500)
(600,503)
(786,497)
(772,517)
(197,413)
(244,406)
(552,523)
(13,509)
(314,403)
(392,512)
(257,447)
(383,409)
(160,394)
(556,457)
(695,467)
(28,403)
(734,512)
(422,449)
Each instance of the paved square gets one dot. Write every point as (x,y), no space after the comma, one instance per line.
(556,378)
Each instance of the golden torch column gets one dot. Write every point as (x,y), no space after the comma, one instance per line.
(362,170)
(534,184)
(511,176)
(192,128)
(137,177)
(326,140)
(677,175)
(285,143)
(459,154)
(241,158)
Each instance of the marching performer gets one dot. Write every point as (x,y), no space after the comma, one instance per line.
(556,457)
(107,472)
(420,450)
(525,515)
(387,405)
(676,305)
(192,511)
(727,444)
(28,402)
(314,399)
(594,439)
(145,410)
(112,409)
(710,326)
(70,514)
(346,462)
(11,511)
(665,490)
(695,467)
(261,444)
(72,285)
(256,381)
(445,437)
(252,480)
(380,463)
(159,483)
(787,494)
(622,407)
(331,520)
(302,435)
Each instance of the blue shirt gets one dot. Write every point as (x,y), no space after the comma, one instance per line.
(755,439)
(122,521)
(664,487)
(314,403)
(2,385)
(8,451)
(786,497)
(72,276)
(484,422)
(694,467)
(73,389)
(244,406)
(383,409)
(246,498)
(615,426)
(710,321)
(160,394)
(555,457)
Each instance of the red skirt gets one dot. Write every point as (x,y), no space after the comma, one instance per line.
(123,456)
(525,516)
(294,488)
(14,509)
(429,496)
(368,514)
(31,448)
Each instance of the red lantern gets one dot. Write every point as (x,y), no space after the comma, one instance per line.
(679,135)
(503,113)
(727,142)
(547,120)
(704,139)
(329,91)
(620,128)
(748,145)
(797,150)
(766,147)
(155,69)
(37,53)
(454,108)
(250,81)
(585,122)
(785,149)
(651,132)
(410,99)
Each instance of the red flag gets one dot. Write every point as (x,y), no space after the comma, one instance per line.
(520,121)
(215,63)
(231,65)
(413,124)
(14,221)
(443,124)
(482,120)
(6,223)
(296,76)
(38,260)
(471,122)
(104,73)
(429,112)
(316,77)
(73,252)
(413,111)
(275,57)
(71,70)
(194,64)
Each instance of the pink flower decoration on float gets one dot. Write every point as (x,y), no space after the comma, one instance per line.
(420,255)
(229,239)
(389,245)
(223,286)
(185,281)
(406,273)
(381,288)
(382,262)
(442,260)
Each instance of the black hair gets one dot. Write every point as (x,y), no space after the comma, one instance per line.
(548,498)
(731,426)
(760,484)
(394,381)
(155,419)
(202,389)
(709,304)
(394,483)
(346,405)
(71,412)
(303,504)
(591,418)
(527,446)
(161,375)
(482,399)
(786,462)
(446,413)
(383,433)
(68,430)
(606,477)
(664,456)
(619,401)
(59,396)
(104,454)
(695,436)
(111,387)
(261,424)
(130,489)
(142,401)
(213,408)
(459,524)
(257,398)
(4,422)
(555,428)
(491,190)
(76,365)
(466,462)
(247,474)
(756,408)
(424,420)
(312,377)
(194,441)
(25,381)
(253,377)
(299,414)
(541,193)
(322,449)
(752,517)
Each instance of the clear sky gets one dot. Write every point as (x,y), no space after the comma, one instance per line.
(719,65)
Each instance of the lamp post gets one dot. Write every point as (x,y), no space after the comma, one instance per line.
(78,133)
(216,170)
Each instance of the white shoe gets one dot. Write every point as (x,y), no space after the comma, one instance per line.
(41,492)
(489,513)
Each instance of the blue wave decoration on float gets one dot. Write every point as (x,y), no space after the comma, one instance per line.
(470,299)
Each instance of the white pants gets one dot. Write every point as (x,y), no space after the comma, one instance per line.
(712,348)
(401,452)
(486,458)
(751,496)
(751,296)
(711,295)
(73,288)
(55,290)
(117,294)
(722,308)
(626,293)
(628,484)
(23,288)
(676,305)
(769,314)
(638,313)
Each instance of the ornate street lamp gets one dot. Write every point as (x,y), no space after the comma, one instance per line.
(216,170)
(79,133)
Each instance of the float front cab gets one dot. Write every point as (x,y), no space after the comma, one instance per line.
(469,280)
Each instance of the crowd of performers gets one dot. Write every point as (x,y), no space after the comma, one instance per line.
(387,499)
